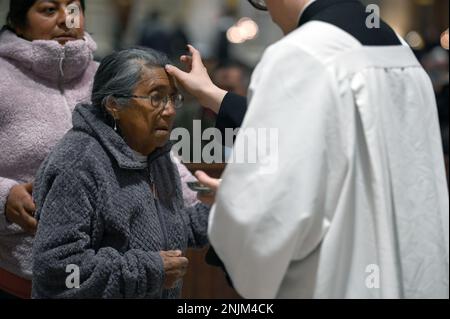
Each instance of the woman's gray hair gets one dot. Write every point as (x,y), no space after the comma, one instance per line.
(120,72)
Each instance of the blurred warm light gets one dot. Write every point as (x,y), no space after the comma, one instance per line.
(415,40)
(234,35)
(249,28)
(244,30)
(444,40)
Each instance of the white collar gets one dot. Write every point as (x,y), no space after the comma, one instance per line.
(305,7)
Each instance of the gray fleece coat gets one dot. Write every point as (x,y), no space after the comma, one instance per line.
(96,210)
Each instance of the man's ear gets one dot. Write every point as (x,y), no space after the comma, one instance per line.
(112,107)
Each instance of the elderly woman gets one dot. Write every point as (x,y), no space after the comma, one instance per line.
(109,200)
(46,69)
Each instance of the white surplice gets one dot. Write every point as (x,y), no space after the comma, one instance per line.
(358,205)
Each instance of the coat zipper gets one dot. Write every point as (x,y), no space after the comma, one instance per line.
(61,87)
(158,210)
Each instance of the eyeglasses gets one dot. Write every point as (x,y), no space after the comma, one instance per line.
(158,101)
(259,4)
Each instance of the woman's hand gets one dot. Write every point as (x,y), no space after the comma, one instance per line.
(197,81)
(175,267)
(212,183)
(20,207)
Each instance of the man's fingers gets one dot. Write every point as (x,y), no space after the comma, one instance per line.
(207,180)
(187,60)
(196,57)
(176,72)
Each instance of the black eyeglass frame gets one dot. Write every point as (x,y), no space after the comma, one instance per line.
(259,4)
(177,100)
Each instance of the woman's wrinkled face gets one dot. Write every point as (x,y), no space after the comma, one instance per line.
(143,126)
(53,20)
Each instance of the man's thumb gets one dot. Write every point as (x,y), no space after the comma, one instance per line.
(207,181)
(175,72)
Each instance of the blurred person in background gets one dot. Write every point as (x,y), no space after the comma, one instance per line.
(231,76)
(444,40)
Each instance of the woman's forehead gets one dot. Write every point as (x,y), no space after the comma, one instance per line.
(157,78)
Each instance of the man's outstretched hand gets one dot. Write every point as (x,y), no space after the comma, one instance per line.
(196,80)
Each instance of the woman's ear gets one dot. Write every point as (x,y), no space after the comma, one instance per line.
(112,107)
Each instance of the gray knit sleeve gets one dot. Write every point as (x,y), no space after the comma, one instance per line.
(198,216)
(67,222)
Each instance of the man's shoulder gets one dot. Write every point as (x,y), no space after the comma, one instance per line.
(319,40)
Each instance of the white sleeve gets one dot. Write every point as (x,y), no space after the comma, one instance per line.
(272,212)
